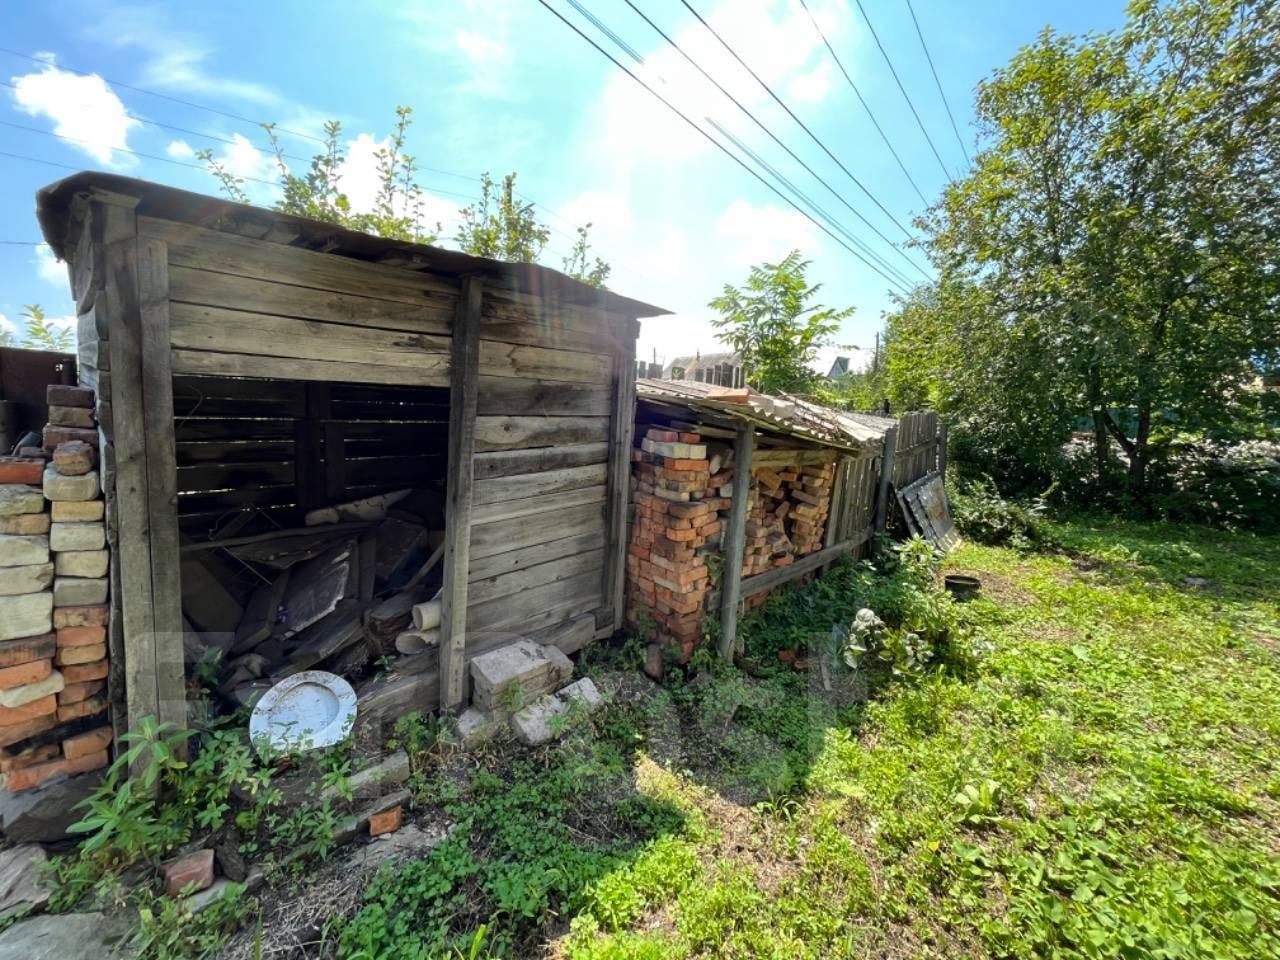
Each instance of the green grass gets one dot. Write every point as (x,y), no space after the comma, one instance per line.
(1104,782)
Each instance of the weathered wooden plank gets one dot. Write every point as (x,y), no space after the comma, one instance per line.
(463,394)
(510,463)
(162,494)
(191,246)
(621,435)
(770,579)
(886,478)
(537,605)
(218,476)
(505,395)
(192,286)
(800,456)
(529,506)
(500,489)
(520,581)
(250,451)
(513,560)
(120,261)
(542,363)
(235,331)
(271,367)
(510,433)
(491,539)
(735,539)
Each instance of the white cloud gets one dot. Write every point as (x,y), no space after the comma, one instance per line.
(7,326)
(764,233)
(813,86)
(84,109)
(479,48)
(359,179)
(180,150)
(67,321)
(48,268)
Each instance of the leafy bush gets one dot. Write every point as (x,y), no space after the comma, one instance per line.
(983,514)
(1221,484)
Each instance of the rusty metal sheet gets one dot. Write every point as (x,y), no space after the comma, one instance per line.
(927,512)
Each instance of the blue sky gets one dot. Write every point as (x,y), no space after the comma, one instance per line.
(501,85)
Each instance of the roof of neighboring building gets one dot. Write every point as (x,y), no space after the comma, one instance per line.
(53,209)
(699,360)
(781,414)
(839,368)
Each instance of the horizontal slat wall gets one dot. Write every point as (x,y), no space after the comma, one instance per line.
(236,444)
(538,517)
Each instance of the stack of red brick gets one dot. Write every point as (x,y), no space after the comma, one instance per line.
(53,601)
(788,514)
(675,525)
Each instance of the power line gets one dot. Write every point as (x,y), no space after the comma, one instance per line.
(884,53)
(865,106)
(813,136)
(772,135)
(932,69)
(22,243)
(670,106)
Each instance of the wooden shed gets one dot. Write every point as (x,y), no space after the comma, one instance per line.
(253,366)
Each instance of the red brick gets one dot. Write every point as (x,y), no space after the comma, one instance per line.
(81,636)
(690,438)
(75,692)
(21,731)
(386,822)
(91,616)
(85,708)
(22,674)
(30,777)
(87,743)
(72,656)
(29,757)
(11,716)
(702,466)
(662,436)
(27,649)
(16,470)
(677,535)
(190,874)
(66,395)
(55,436)
(84,672)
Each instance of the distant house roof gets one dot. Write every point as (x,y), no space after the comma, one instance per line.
(839,368)
(782,414)
(700,361)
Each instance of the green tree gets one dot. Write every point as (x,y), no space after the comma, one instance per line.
(500,225)
(581,265)
(1112,253)
(43,335)
(398,212)
(773,325)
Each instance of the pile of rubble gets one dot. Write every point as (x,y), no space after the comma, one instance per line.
(53,594)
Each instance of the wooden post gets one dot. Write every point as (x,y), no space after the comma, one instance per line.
(942,450)
(735,539)
(621,437)
(463,397)
(162,481)
(886,478)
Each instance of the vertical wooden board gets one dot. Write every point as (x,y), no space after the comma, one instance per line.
(735,539)
(886,478)
(162,493)
(621,434)
(463,396)
(130,476)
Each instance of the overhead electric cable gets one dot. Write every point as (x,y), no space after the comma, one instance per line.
(884,53)
(934,70)
(865,106)
(813,136)
(732,156)
(791,153)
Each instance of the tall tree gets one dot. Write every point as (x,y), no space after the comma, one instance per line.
(774,326)
(1112,254)
(500,225)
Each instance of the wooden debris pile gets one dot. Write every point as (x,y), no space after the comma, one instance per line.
(355,586)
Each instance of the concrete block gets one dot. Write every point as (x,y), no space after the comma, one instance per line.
(50,682)
(26,524)
(475,726)
(71,417)
(78,511)
(90,616)
(539,722)
(511,676)
(28,615)
(77,536)
(78,591)
(31,578)
(64,395)
(16,551)
(59,487)
(81,563)
(19,498)
(582,692)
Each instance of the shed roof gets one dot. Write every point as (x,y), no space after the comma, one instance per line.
(783,414)
(54,208)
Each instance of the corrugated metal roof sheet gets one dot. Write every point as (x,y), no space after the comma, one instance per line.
(782,414)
